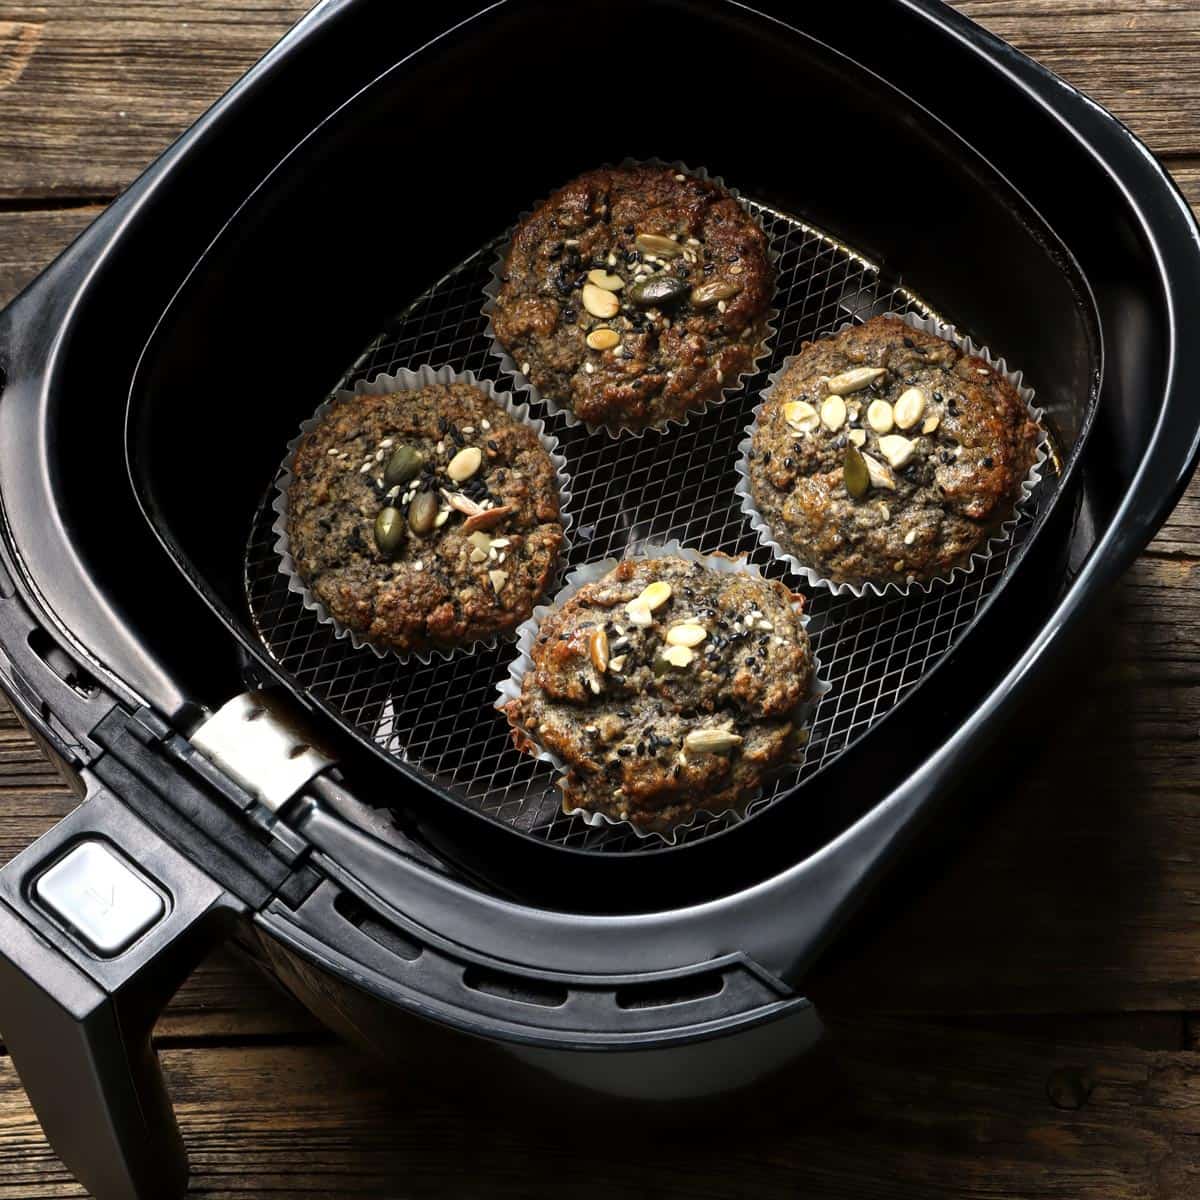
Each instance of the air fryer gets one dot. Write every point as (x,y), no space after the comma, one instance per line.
(364,827)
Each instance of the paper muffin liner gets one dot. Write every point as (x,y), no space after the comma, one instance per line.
(995,540)
(406,380)
(509,366)
(510,687)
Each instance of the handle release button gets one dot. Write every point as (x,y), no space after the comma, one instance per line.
(102,900)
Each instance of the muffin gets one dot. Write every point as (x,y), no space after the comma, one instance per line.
(635,294)
(665,687)
(885,454)
(424,519)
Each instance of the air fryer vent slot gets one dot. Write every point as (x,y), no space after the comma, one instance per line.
(439,718)
(663,992)
(388,936)
(515,987)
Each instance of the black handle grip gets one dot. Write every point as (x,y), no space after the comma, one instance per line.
(100,921)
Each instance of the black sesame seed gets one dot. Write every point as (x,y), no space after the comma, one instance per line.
(987,462)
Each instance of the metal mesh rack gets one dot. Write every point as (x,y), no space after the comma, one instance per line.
(439,718)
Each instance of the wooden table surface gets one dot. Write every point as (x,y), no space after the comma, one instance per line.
(1025,1026)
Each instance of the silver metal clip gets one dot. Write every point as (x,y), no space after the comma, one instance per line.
(252,745)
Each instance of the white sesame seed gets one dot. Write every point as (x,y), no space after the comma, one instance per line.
(468,429)
(388,443)
(680,178)
(589,367)
(441,447)
(365,468)
(525,368)
(379,456)
(910,537)
(485,424)
(721,306)
(418,565)
(393,492)
(333,451)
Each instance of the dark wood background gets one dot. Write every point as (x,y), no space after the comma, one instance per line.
(1024,1027)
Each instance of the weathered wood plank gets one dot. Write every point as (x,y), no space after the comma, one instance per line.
(1139,58)
(89,95)
(903,1109)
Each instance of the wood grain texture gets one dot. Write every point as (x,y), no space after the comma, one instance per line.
(1139,58)
(906,1111)
(89,94)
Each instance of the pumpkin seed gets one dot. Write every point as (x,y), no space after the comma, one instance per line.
(705,295)
(897,450)
(658,289)
(833,413)
(880,416)
(686,634)
(711,741)
(598,649)
(855,474)
(801,414)
(678,656)
(663,247)
(910,408)
(599,302)
(880,476)
(605,280)
(422,513)
(603,338)
(389,531)
(464,464)
(655,595)
(405,464)
(854,380)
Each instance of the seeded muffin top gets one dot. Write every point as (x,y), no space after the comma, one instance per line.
(666,687)
(427,518)
(635,294)
(884,453)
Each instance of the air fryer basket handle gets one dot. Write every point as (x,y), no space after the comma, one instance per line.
(76,1018)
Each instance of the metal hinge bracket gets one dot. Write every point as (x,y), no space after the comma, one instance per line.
(259,750)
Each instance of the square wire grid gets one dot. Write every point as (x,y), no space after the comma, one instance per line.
(439,718)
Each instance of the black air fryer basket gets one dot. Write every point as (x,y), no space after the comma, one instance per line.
(363,827)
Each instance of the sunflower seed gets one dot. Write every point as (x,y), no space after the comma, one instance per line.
(464,464)
(910,408)
(600,303)
(879,416)
(833,413)
(854,380)
(801,414)
(605,281)
(711,741)
(897,450)
(686,634)
(603,338)
(678,656)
